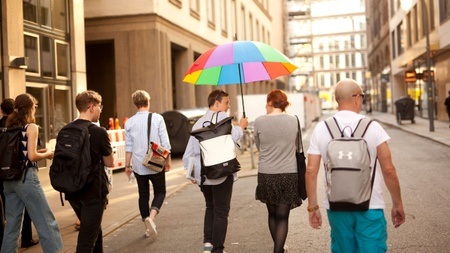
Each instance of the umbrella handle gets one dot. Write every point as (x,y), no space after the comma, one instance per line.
(242,93)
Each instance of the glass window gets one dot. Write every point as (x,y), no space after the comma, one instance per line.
(62,59)
(211,10)
(60,15)
(444,10)
(47,57)
(45,13)
(30,10)
(223,18)
(62,106)
(31,42)
(393,46)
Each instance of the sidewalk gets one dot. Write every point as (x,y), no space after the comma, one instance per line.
(123,199)
(421,127)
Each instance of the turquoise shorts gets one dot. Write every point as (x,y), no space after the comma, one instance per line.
(358,231)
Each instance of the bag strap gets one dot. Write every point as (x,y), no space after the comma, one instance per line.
(212,118)
(335,131)
(333,128)
(299,137)
(149,127)
(362,127)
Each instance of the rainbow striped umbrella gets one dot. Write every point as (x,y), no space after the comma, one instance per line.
(237,63)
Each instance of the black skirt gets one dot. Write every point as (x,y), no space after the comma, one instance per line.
(278,189)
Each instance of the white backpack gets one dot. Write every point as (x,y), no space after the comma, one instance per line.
(348,168)
(218,153)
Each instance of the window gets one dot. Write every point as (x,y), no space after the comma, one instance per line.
(414,25)
(49,14)
(444,10)
(211,13)
(31,42)
(338,62)
(393,45)
(223,17)
(62,59)
(60,15)
(45,13)
(409,30)
(195,8)
(401,38)
(47,62)
(30,11)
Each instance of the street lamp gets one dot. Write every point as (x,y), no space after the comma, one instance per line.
(430,88)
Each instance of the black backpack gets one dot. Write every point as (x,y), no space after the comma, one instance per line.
(12,164)
(71,168)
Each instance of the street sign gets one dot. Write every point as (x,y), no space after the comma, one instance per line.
(410,76)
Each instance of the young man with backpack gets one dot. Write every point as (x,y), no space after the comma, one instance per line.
(217,192)
(90,202)
(355,227)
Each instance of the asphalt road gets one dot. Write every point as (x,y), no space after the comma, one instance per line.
(424,174)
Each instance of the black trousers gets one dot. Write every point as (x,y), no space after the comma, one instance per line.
(90,214)
(218,199)
(159,190)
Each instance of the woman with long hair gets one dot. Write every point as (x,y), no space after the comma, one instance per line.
(27,191)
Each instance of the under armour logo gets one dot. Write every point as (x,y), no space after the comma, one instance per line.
(348,155)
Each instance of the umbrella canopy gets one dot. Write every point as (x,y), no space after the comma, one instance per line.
(238,62)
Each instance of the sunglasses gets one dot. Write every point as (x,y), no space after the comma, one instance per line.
(362,95)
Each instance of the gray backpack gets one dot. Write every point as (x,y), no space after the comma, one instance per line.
(348,168)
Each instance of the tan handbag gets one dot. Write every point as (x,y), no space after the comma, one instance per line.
(157,156)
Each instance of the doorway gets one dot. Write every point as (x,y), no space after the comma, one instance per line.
(101,76)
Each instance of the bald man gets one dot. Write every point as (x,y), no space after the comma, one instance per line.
(355,231)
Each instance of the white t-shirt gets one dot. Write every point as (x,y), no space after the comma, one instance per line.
(374,136)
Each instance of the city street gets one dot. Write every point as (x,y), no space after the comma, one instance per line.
(423,170)
(422,166)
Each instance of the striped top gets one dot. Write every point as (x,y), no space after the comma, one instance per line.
(24,148)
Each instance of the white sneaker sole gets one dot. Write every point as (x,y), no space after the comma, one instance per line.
(150,230)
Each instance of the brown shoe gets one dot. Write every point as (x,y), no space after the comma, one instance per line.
(30,243)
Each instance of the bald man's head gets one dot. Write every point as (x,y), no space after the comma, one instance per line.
(345,92)
(345,89)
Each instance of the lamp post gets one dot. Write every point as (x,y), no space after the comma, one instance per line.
(430,88)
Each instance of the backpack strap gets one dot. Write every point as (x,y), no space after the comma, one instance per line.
(217,118)
(333,128)
(362,127)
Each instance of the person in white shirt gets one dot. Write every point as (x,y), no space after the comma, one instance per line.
(355,231)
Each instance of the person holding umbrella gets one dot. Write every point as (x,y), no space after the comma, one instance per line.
(217,192)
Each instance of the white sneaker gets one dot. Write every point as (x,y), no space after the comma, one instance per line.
(286,248)
(207,248)
(150,228)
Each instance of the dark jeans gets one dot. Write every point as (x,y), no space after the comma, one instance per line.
(90,214)
(159,190)
(218,199)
